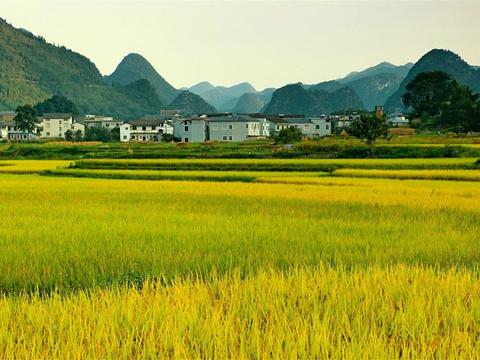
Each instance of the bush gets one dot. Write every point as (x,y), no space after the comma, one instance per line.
(289,135)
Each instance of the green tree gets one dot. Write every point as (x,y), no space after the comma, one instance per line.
(427,93)
(441,102)
(462,111)
(102,134)
(77,135)
(57,104)
(25,118)
(369,128)
(69,135)
(288,135)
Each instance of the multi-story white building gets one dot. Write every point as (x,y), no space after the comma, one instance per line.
(237,128)
(145,130)
(191,130)
(344,121)
(310,127)
(398,120)
(9,132)
(100,121)
(55,125)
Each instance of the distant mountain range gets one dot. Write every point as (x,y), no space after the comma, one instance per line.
(32,70)
(382,68)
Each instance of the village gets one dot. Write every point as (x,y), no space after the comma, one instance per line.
(171,125)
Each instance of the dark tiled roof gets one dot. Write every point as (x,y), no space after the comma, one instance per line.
(238,118)
(56,116)
(143,122)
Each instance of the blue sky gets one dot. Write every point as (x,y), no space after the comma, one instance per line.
(267,43)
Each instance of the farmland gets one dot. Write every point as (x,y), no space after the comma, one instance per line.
(273,259)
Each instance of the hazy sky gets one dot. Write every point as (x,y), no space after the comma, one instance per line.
(267,43)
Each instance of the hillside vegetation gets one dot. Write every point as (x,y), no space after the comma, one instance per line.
(437,60)
(32,70)
(135,67)
(295,99)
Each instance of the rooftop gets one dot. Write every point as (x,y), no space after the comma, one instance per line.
(238,118)
(146,122)
(56,116)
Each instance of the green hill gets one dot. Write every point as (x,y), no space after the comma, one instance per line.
(295,99)
(382,68)
(191,104)
(32,70)
(135,67)
(376,89)
(249,103)
(437,60)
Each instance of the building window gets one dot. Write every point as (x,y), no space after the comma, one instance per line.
(230,127)
(133,128)
(327,127)
(246,126)
(186,129)
(124,137)
(48,134)
(224,137)
(185,140)
(317,127)
(133,137)
(126,127)
(230,137)
(144,128)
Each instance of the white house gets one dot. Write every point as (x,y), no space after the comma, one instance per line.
(9,132)
(310,127)
(55,125)
(237,128)
(100,121)
(344,121)
(191,130)
(397,120)
(145,130)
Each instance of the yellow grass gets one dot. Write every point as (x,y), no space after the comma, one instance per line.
(375,313)
(313,267)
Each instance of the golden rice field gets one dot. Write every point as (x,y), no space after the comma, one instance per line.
(30,166)
(461,175)
(277,164)
(295,265)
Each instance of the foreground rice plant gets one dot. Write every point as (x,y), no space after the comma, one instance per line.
(75,233)
(310,267)
(378,313)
